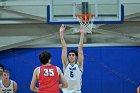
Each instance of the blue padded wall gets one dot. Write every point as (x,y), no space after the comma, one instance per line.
(106,69)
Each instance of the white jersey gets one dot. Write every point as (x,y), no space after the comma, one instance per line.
(9,89)
(73,75)
(0,78)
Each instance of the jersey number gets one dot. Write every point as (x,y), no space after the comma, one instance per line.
(48,72)
(71,74)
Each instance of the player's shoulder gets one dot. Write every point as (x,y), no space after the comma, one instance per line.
(57,67)
(13,81)
(36,69)
(54,66)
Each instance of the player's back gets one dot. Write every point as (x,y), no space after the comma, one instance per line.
(48,79)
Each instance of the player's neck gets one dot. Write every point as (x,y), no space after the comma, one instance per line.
(6,82)
(72,63)
(48,64)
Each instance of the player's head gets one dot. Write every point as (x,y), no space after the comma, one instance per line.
(72,56)
(6,75)
(1,69)
(45,57)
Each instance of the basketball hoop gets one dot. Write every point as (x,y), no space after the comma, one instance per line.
(86,20)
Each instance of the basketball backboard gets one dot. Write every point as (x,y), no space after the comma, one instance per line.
(105,11)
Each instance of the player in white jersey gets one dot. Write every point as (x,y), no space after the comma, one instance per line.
(7,85)
(73,63)
(1,71)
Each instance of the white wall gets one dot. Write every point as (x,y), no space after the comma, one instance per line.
(38,7)
(131,6)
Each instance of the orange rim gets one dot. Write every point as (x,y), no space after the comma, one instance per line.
(85,17)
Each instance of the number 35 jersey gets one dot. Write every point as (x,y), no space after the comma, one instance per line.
(48,79)
(73,75)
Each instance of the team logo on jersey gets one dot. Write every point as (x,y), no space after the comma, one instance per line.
(6,90)
(72,68)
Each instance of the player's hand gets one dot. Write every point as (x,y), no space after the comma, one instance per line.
(62,28)
(82,29)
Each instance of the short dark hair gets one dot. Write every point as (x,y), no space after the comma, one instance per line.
(44,57)
(2,66)
(73,51)
(6,71)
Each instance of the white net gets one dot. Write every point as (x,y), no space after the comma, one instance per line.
(87,23)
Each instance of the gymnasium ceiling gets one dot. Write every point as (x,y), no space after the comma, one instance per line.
(32,31)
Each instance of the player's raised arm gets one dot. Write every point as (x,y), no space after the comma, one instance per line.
(64,46)
(80,46)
